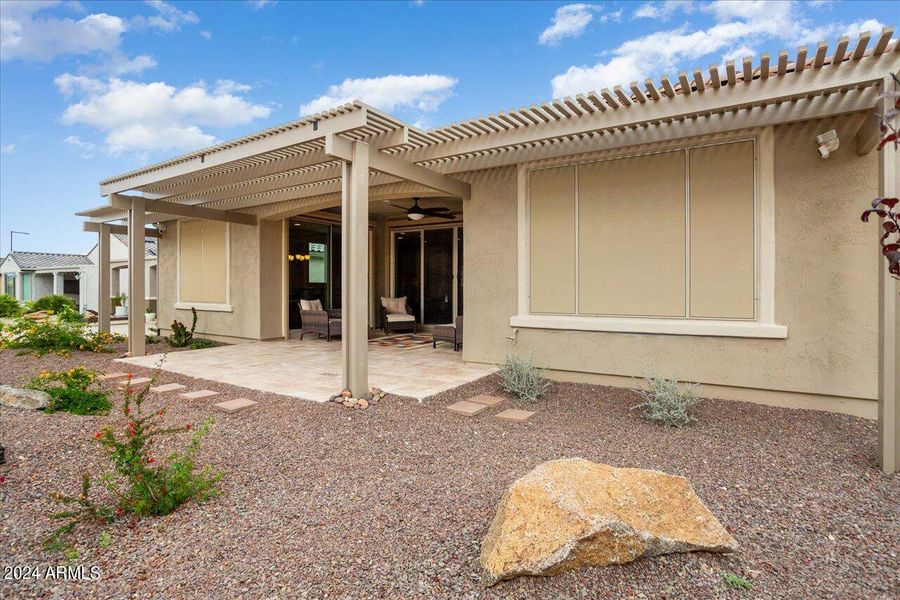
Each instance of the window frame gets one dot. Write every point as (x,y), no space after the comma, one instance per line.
(203,306)
(763,324)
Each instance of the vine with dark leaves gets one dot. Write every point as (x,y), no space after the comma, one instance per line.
(886,208)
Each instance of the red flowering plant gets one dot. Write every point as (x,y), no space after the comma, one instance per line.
(886,208)
(140,482)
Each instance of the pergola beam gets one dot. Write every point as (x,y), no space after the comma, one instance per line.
(341,148)
(316,129)
(869,134)
(149,232)
(763,91)
(181,210)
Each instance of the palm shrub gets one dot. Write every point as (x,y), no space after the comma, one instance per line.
(665,403)
(9,306)
(76,391)
(522,378)
(141,484)
(56,303)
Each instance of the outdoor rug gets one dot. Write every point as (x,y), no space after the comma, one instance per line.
(404,341)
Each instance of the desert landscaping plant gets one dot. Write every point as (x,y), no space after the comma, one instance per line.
(76,391)
(54,303)
(182,336)
(737,582)
(60,337)
(665,403)
(9,306)
(522,378)
(141,483)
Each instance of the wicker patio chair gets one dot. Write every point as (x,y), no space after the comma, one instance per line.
(449,333)
(395,322)
(319,321)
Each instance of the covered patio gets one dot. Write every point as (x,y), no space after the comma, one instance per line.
(311,369)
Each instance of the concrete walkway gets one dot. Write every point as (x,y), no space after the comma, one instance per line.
(311,369)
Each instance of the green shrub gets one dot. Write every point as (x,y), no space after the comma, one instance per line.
(54,302)
(737,582)
(182,336)
(70,315)
(60,337)
(9,306)
(75,391)
(200,344)
(140,484)
(522,378)
(665,403)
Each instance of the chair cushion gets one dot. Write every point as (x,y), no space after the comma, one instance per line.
(394,306)
(310,305)
(395,318)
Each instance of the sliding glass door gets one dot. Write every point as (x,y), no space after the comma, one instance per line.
(428,271)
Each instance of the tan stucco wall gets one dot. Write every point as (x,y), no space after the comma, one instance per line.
(270,283)
(825,281)
(245,322)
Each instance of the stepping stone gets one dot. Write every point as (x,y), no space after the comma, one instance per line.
(135,381)
(198,395)
(107,376)
(236,405)
(489,401)
(169,387)
(515,415)
(466,408)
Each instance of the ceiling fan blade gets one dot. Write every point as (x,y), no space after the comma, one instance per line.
(398,206)
(439,215)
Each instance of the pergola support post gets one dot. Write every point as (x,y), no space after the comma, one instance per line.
(355,270)
(103,277)
(56,280)
(136,296)
(888,315)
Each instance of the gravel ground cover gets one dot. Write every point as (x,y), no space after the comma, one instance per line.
(392,502)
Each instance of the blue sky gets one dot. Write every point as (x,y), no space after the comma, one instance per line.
(92,89)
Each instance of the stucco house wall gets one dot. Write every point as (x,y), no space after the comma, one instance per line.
(826,265)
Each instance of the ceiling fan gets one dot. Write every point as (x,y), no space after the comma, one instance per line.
(416,212)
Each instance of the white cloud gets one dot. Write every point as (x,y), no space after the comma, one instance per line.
(569,21)
(258,4)
(739,27)
(424,93)
(663,10)
(168,18)
(27,35)
(206,35)
(85,149)
(8,148)
(137,116)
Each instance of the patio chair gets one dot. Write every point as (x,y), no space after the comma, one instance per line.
(314,319)
(395,316)
(449,333)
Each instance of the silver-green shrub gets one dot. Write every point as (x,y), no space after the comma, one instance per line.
(665,403)
(522,378)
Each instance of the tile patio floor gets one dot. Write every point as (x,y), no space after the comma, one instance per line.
(311,369)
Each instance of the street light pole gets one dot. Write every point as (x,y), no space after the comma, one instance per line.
(11,232)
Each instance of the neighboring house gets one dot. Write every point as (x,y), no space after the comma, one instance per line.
(118,264)
(689,226)
(32,275)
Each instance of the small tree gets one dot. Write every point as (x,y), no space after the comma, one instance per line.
(886,208)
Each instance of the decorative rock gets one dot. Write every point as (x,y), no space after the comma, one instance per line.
(571,513)
(349,403)
(22,398)
(346,394)
(363,403)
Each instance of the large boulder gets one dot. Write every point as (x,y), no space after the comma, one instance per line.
(22,398)
(570,513)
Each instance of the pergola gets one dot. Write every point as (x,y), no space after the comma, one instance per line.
(353,153)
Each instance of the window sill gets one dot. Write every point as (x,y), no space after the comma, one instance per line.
(203,307)
(660,326)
